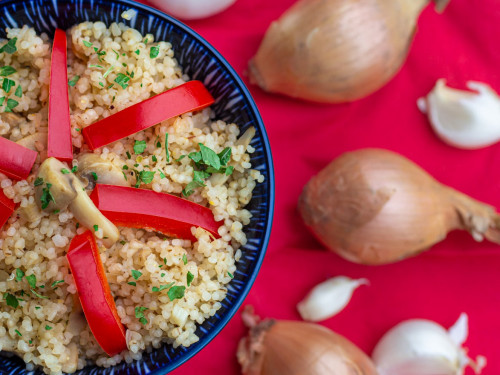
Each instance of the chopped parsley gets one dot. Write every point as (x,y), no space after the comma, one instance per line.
(125,167)
(19,91)
(146,176)
(128,155)
(19,274)
(137,52)
(10,46)
(11,300)
(110,69)
(47,196)
(117,54)
(87,44)
(65,171)
(38,181)
(184,259)
(19,333)
(56,211)
(6,71)
(37,308)
(38,295)
(31,279)
(162,175)
(154,158)
(123,242)
(230,275)
(94,176)
(101,84)
(72,82)
(165,260)
(122,80)
(77,225)
(133,283)
(154,52)
(176,292)
(162,287)
(139,147)
(136,274)
(56,282)
(162,274)
(139,314)
(96,66)
(31,342)
(180,158)
(99,54)
(11,104)
(48,328)
(2,99)
(74,169)
(189,278)
(166,148)
(7,84)
(96,227)
(190,188)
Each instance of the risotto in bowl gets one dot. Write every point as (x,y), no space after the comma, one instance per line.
(136,189)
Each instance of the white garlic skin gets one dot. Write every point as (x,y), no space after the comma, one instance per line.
(192,9)
(328,298)
(423,347)
(464,119)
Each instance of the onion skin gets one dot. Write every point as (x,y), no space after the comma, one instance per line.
(374,206)
(296,348)
(335,51)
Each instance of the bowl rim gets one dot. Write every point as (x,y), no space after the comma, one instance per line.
(267,151)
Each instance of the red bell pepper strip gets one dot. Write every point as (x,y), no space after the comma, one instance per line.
(95,295)
(59,144)
(7,207)
(165,213)
(16,161)
(191,96)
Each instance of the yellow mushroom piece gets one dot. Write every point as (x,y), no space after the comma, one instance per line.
(60,189)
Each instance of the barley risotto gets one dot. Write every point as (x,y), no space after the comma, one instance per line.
(162,286)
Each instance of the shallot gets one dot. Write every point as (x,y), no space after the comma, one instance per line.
(374,206)
(336,50)
(328,298)
(464,119)
(422,347)
(276,347)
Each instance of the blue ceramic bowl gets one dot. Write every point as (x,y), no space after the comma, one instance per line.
(233,104)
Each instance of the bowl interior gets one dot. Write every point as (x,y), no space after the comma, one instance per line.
(233,104)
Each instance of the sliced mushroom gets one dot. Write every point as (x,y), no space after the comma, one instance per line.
(32,140)
(67,191)
(105,171)
(220,178)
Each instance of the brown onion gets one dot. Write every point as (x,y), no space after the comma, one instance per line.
(336,50)
(374,206)
(276,347)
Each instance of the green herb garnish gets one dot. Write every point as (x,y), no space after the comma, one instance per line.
(180,158)
(19,333)
(162,274)
(122,80)
(230,275)
(96,66)
(6,71)
(87,44)
(56,282)
(154,158)
(110,69)
(139,147)
(137,52)
(162,287)
(37,308)
(101,84)
(2,99)
(136,274)
(74,169)
(48,328)
(38,295)
(10,46)
(133,283)
(38,181)
(176,292)
(65,171)
(225,155)
(31,279)
(147,176)
(96,227)
(11,104)
(190,188)
(128,155)
(139,314)
(19,274)
(7,84)
(19,91)
(47,196)
(189,278)
(166,148)
(154,52)
(94,176)
(185,259)
(72,82)
(117,54)
(162,175)
(11,300)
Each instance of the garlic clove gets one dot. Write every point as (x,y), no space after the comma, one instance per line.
(422,347)
(464,119)
(328,298)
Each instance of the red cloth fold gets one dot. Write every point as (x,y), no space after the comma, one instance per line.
(457,275)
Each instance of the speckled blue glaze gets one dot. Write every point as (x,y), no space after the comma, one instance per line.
(233,104)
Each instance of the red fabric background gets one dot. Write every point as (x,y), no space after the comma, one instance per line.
(457,275)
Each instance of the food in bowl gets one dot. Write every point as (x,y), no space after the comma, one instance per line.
(167,269)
